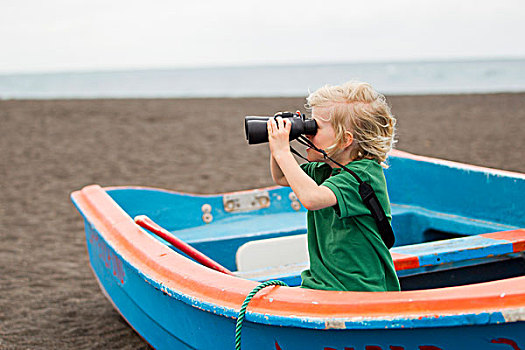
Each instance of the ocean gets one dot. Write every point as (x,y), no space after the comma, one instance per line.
(390,78)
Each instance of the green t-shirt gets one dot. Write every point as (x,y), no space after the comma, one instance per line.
(345,248)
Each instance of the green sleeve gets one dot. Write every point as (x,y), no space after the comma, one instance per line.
(308,168)
(346,190)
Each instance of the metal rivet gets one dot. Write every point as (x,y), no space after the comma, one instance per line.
(263,201)
(292,196)
(296,205)
(207,218)
(230,205)
(206,208)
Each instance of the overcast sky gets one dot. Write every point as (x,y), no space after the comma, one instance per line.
(64,35)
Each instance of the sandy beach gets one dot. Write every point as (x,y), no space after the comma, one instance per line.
(49,298)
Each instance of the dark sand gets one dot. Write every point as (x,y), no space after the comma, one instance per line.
(48,296)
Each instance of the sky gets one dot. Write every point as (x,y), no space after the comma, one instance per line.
(77,35)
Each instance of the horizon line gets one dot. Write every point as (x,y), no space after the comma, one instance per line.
(462,59)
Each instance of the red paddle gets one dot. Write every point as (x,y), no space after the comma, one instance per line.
(147,223)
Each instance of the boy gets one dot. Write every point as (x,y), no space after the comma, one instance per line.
(356,129)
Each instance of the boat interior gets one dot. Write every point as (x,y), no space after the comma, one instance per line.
(432,249)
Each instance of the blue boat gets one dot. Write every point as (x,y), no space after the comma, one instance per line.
(459,254)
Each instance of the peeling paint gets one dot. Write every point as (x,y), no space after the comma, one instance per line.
(514,315)
(335,324)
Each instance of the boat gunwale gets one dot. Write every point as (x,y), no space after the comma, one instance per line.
(454,164)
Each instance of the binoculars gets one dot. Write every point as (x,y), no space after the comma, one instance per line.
(256,128)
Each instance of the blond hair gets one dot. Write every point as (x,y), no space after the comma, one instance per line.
(357,108)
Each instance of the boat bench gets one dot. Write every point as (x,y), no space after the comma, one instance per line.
(289,255)
(222,238)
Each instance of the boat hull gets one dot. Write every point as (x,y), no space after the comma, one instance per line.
(171,322)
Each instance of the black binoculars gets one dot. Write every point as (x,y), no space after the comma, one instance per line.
(256,128)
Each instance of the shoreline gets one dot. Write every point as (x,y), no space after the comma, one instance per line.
(182,98)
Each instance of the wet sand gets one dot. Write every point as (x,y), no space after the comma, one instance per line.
(48,296)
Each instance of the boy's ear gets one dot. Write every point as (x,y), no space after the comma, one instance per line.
(349,139)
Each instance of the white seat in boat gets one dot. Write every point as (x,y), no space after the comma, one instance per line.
(280,251)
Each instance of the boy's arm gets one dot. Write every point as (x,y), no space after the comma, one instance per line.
(277,174)
(311,195)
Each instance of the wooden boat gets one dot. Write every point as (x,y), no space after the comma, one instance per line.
(459,255)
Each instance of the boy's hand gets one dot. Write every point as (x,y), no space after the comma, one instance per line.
(279,135)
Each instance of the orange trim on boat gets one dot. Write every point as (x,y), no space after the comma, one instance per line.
(405,261)
(516,237)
